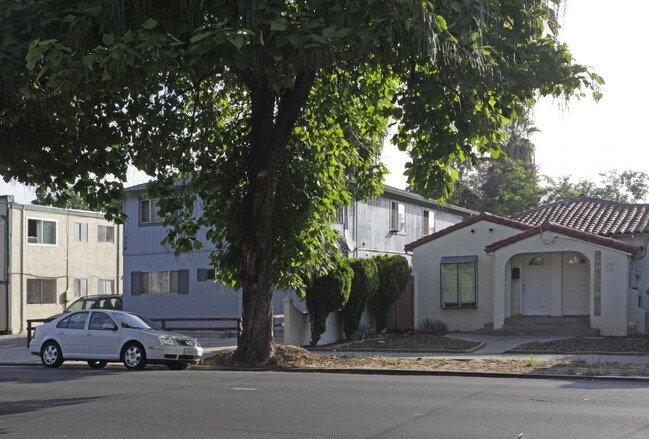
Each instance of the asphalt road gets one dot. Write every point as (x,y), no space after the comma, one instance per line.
(73,402)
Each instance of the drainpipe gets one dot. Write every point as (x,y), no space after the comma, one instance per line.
(21,239)
(117,245)
(8,200)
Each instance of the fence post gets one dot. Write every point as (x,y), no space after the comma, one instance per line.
(29,332)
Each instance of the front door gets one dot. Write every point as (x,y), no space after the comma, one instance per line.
(576,273)
(536,281)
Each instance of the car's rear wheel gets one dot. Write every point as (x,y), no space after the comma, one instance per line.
(51,355)
(133,355)
(96,364)
(178,366)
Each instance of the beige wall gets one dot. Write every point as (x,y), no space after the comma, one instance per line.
(65,261)
(470,240)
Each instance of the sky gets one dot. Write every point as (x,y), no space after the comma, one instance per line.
(580,138)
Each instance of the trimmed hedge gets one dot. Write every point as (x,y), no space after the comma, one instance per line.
(328,293)
(394,273)
(364,285)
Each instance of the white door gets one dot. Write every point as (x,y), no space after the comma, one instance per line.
(576,274)
(536,281)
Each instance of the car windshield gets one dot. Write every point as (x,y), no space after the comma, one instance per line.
(131,321)
(78,305)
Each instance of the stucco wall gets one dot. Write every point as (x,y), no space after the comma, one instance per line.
(467,241)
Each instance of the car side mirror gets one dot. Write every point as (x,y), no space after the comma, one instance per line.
(109,326)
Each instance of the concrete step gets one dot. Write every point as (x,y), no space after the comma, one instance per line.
(547,325)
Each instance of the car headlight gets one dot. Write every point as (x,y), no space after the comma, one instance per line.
(166,340)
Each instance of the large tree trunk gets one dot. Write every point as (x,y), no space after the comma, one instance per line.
(270,132)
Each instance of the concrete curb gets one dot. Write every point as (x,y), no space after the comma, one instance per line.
(635,354)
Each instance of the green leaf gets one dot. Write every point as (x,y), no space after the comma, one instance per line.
(237,41)
(149,24)
(108,39)
(279,24)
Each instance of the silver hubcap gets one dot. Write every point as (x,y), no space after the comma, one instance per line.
(133,356)
(50,354)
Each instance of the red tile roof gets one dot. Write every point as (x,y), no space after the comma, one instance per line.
(567,231)
(591,215)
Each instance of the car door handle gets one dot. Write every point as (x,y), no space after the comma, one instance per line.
(88,334)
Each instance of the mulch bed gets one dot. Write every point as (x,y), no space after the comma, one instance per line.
(638,345)
(402,343)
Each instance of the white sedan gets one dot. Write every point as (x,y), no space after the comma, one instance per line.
(102,336)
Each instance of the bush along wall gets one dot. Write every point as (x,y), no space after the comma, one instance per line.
(327,293)
(364,285)
(394,273)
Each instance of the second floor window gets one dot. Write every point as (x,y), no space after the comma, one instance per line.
(41,231)
(397,217)
(160,282)
(429,222)
(149,211)
(81,232)
(106,234)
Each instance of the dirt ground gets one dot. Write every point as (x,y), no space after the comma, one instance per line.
(292,357)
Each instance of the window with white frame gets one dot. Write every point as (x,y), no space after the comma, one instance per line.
(41,291)
(160,282)
(149,211)
(429,222)
(41,231)
(397,217)
(80,287)
(459,282)
(81,232)
(106,234)
(106,286)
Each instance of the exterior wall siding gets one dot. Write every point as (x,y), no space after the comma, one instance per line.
(367,223)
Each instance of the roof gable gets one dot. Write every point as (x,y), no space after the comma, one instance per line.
(591,215)
(466,223)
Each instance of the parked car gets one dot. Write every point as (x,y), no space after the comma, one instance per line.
(100,336)
(100,301)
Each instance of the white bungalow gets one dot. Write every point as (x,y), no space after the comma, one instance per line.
(577,259)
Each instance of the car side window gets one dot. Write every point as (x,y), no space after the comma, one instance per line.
(99,319)
(75,321)
(63,323)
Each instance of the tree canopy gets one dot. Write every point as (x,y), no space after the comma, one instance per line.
(627,187)
(258,118)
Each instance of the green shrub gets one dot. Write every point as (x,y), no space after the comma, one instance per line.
(328,293)
(394,273)
(364,285)
(434,327)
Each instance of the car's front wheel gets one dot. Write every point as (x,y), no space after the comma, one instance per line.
(178,366)
(51,355)
(95,364)
(133,356)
